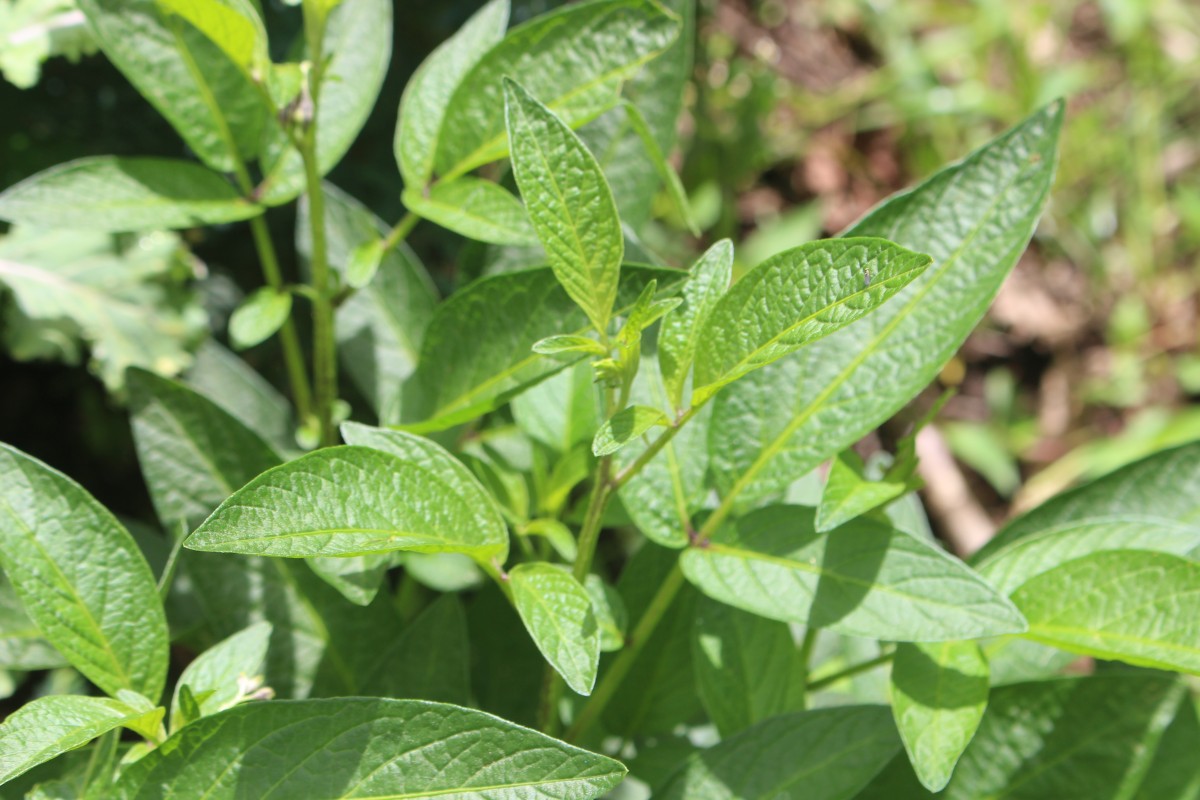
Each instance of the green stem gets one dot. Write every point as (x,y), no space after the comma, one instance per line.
(850,671)
(293,355)
(624,661)
(401,231)
(324,349)
(655,447)
(806,650)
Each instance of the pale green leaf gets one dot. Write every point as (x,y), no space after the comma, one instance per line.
(609,608)
(659,160)
(49,726)
(574,59)
(108,193)
(707,281)
(794,299)
(568,343)
(354,500)
(33,32)
(22,646)
(625,427)
(557,612)
(207,98)
(863,579)
(939,693)
(429,90)
(403,748)
(475,208)
(974,218)
(561,411)
(1136,606)
(747,667)
(828,754)
(259,317)
(232,25)
(569,203)
(559,536)
(357,578)
(364,263)
(220,676)
(849,493)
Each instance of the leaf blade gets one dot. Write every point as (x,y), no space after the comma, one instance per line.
(557,612)
(681,328)
(476,208)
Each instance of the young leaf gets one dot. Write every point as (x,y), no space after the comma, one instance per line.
(81,577)
(353,500)
(559,536)
(216,678)
(557,612)
(568,343)
(939,692)
(232,25)
(609,608)
(659,160)
(108,193)
(863,579)
(974,218)
(626,426)
(794,299)
(208,98)
(49,726)
(1130,605)
(574,59)
(831,753)
(707,282)
(747,668)
(849,493)
(404,748)
(364,263)
(259,316)
(475,208)
(423,105)
(576,223)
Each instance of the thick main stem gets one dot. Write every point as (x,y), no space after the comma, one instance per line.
(324,349)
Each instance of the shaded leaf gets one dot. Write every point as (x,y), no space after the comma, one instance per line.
(626,426)
(849,493)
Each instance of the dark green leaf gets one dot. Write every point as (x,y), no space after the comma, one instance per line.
(429,660)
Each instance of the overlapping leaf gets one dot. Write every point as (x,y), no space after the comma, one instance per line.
(557,612)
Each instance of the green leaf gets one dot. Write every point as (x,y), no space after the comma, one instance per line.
(259,317)
(939,693)
(557,612)
(828,754)
(863,579)
(574,59)
(674,186)
(428,660)
(108,193)
(215,678)
(354,500)
(849,493)
(357,578)
(22,646)
(1130,605)
(707,282)
(72,287)
(475,208)
(232,25)
(428,92)
(626,426)
(233,385)
(569,203)
(1174,774)
(462,377)
(561,411)
(795,298)
(609,608)
(81,577)
(357,50)
(208,98)
(559,536)
(507,669)
(364,263)
(403,748)
(974,218)
(567,343)
(747,668)
(49,726)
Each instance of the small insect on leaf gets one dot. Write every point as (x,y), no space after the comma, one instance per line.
(866,278)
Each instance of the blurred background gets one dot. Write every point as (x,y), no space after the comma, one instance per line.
(801,116)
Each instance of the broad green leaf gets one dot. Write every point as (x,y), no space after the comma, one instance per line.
(364,263)
(354,500)
(49,726)
(429,660)
(563,541)
(220,676)
(475,208)
(81,287)
(403,748)
(626,426)
(794,299)
(681,329)
(81,577)
(207,98)
(381,327)
(357,578)
(22,646)
(849,493)
(358,48)
(1072,737)
(561,411)
(462,377)
(1175,773)
(232,25)
(863,579)
(569,204)
(233,385)
(574,60)
(659,160)
(1163,486)
(108,193)
(939,693)
(557,612)
(259,317)
(1034,553)
(1135,606)
(747,668)
(974,219)
(827,754)
(609,608)
(429,90)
